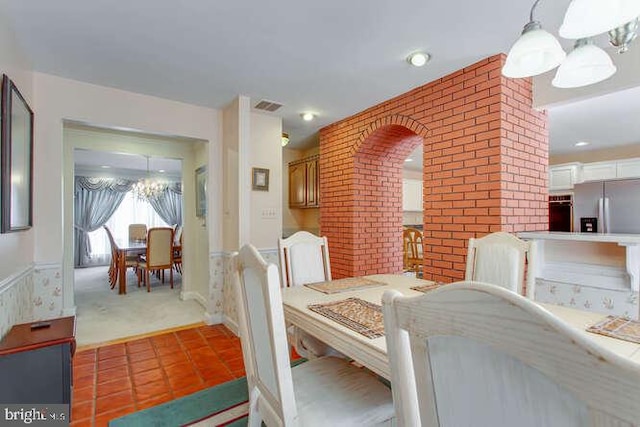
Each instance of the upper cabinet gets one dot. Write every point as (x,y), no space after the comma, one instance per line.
(411,195)
(563,177)
(598,171)
(304,183)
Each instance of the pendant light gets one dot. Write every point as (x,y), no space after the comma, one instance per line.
(535,52)
(586,18)
(586,64)
(147,188)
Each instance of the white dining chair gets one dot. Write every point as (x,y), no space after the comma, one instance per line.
(501,259)
(304,259)
(326,391)
(473,354)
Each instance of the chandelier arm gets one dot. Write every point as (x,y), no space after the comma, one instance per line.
(532,10)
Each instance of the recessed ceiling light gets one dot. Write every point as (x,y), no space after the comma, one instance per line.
(161,170)
(418,59)
(408,160)
(307,117)
(105,167)
(581,144)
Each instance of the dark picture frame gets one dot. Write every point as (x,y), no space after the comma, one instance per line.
(201,192)
(260,179)
(16,156)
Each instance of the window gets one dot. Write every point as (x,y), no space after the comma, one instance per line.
(130,211)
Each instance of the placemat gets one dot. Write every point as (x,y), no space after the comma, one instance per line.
(344,285)
(356,314)
(618,327)
(427,288)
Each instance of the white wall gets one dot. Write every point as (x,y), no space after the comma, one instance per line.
(58,100)
(266,206)
(230,185)
(16,249)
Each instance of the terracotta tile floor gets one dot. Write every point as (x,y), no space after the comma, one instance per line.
(118,379)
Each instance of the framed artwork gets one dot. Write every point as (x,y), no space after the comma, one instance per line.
(201,192)
(17,159)
(260,179)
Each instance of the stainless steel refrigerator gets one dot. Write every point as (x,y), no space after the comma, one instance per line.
(615,204)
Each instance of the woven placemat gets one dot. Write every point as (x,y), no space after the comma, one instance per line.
(427,288)
(618,327)
(358,315)
(344,285)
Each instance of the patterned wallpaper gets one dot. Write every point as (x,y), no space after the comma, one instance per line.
(47,291)
(606,301)
(16,300)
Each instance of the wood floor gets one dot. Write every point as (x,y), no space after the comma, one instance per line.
(113,380)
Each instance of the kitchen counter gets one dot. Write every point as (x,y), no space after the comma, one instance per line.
(594,271)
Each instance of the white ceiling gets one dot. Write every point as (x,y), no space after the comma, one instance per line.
(334,58)
(124,165)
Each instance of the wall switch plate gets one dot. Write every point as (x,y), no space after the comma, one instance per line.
(269,213)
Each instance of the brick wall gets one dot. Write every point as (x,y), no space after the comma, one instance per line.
(485,170)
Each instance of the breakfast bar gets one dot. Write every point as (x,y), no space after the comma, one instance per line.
(592,271)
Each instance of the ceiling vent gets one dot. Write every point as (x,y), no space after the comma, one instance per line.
(267,105)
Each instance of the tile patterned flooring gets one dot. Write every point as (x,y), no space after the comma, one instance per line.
(117,379)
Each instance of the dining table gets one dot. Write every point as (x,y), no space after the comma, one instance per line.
(372,352)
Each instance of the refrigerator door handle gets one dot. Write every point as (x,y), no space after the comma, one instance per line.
(607,225)
(601,215)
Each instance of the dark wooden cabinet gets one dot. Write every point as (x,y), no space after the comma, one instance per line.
(36,364)
(304,183)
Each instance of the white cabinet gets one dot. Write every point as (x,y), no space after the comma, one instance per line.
(411,195)
(599,171)
(628,168)
(562,177)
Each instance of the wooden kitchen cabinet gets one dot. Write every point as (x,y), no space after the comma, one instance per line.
(35,364)
(304,183)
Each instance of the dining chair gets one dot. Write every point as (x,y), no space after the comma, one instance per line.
(412,250)
(130,260)
(159,255)
(137,232)
(304,259)
(474,354)
(177,250)
(501,259)
(321,392)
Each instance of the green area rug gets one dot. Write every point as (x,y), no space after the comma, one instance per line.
(215,403)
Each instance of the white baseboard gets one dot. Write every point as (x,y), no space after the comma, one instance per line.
(231,324)
(194,296)
(212,319)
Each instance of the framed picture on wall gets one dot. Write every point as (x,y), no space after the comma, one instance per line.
(17,159)
(260,179)
(201,192)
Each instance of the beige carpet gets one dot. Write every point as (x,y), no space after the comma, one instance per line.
(103,315)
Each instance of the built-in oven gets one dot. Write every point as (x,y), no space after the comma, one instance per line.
(561,212)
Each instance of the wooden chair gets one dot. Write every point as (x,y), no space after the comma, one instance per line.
(499,258)
(137,232)
(471,354)
(177,250)
(321,392)
(159,255)
(304,258)
(130,260)
(412,250)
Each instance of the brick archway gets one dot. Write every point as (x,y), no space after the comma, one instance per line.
(485,169)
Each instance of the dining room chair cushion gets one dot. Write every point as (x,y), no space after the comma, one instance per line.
(159,254)
(138,232)
(472,353)
(325,391)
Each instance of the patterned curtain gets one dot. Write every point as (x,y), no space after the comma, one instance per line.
(168,204)
(95,200)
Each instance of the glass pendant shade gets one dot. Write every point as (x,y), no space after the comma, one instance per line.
(586,18)
(147,188)
(535,52)
(586,64)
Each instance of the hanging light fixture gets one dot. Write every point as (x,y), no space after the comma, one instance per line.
(586,64)
(285,139)
(537,51)
(147,188)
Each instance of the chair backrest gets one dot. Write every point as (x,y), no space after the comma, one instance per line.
(412,243)
(473,354)
(160,247)
(177,235)
(137,232)
(499,258)
(112,241)
(263,337)
(304,258)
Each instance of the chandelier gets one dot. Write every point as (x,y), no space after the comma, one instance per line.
(147,188)
(537,51)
